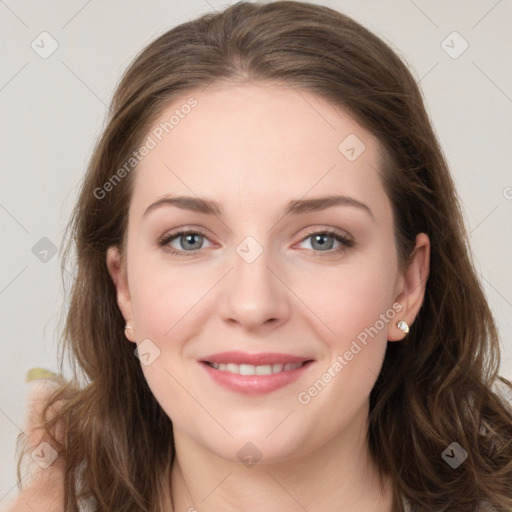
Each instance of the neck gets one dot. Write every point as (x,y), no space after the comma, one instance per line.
(339,475)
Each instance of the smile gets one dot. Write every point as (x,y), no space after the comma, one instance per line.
(250,369)
(254,374)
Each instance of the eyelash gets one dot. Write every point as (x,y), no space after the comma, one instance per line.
(346,242)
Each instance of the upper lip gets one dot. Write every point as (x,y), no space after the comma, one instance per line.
(262,358)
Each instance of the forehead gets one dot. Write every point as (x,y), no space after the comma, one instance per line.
(252,144)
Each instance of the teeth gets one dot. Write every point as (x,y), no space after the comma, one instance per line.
(249,369)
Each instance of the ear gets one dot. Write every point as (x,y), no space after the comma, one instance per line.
(117,270)
(412,284)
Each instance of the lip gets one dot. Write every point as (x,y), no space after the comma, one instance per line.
(259,359)
(254,384)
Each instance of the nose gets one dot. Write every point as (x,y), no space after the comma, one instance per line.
(254,294)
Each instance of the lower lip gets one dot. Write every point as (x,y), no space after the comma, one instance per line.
(255,384)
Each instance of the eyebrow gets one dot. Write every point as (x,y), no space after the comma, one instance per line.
(294,207)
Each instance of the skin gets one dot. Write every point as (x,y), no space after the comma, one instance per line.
(253,148)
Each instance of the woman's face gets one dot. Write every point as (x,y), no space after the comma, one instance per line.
(258,280)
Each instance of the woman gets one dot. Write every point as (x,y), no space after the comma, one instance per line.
(324,343)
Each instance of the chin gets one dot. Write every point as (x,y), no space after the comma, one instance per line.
(267,440)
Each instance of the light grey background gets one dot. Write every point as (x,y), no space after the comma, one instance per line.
(53,109)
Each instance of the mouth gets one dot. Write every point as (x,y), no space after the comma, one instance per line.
(250,369)
(254,374)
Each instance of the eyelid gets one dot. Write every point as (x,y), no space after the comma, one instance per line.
(174,234)
(343,237)
(326,229)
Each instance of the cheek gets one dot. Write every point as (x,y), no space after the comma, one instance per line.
(357,308)
(165,300)
(350,298)
(164,296)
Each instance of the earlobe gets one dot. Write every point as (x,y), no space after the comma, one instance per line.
(412,294)
(117,271)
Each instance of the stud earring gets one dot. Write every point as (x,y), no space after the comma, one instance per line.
(128,327)
(403,326)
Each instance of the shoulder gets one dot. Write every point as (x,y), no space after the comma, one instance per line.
(45,491)
(42,468)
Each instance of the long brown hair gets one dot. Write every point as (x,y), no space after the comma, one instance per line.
(435,387)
